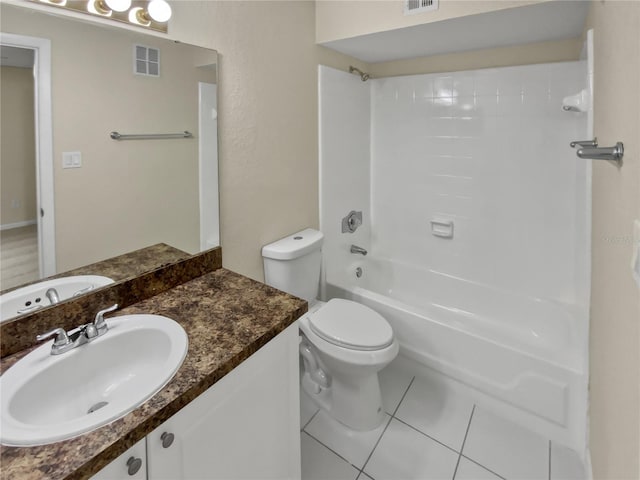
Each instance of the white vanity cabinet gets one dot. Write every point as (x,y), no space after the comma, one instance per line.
(246,426)
(132,464)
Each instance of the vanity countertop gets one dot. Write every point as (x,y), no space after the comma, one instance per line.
(131,264)
(124,266)
(227,317)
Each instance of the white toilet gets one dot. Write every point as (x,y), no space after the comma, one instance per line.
(343,344)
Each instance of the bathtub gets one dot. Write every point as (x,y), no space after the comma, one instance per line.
(521,356)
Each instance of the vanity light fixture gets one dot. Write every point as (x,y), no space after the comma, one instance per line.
(152,14)
(157,10)
(107,7)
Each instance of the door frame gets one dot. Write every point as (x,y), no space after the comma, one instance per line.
(208,165)
(44,146)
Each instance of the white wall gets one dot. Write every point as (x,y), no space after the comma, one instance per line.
(337,19)
(615,303)
(344,112)
(488,150)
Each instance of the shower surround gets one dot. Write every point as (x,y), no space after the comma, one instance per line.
(476,216)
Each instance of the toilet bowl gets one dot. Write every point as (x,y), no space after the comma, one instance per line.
(343,344)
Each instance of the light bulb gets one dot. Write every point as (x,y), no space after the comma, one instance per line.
(159,10)
(118,5)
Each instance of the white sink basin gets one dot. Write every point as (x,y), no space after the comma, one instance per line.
(47,398)
(34,297)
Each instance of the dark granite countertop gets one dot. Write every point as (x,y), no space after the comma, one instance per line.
(227,317)
(131,264)
(124,266)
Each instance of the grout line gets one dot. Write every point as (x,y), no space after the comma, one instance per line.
(464,440)
(480,465)
(427,435)
(310,420)
(331,450)
(375,446)
(549,459)
(391,417)
(473,410)
(403,395)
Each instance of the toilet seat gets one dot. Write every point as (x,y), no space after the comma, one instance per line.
(351,325)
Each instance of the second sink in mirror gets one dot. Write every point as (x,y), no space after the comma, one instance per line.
(42,294)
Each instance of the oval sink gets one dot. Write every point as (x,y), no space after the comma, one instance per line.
(34,297)
(47,398)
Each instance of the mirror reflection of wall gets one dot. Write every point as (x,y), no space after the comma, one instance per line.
(18,204)
(125,195)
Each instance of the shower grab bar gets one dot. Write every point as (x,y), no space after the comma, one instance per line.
(149,136)
(614,153)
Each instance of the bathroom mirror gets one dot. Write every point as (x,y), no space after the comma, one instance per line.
(107,197)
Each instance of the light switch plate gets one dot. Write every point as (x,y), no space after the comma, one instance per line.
(71,159)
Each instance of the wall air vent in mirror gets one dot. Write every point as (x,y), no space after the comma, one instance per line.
(146,61)
(419,6)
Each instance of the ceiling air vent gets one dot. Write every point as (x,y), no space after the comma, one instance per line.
(419,6)
(146,61)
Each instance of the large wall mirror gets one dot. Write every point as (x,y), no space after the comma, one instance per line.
(103,197)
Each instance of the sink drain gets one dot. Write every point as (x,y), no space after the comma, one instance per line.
(97,406)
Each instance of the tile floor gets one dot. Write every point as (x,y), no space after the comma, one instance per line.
(429,434)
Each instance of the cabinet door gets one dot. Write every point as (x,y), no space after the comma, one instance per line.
(132,464)
(246,426)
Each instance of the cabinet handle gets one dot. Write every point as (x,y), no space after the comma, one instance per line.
(167,439)
(134,465)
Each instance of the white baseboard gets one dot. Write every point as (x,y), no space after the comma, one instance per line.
(26,223)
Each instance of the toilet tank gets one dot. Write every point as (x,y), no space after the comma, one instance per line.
(292,264)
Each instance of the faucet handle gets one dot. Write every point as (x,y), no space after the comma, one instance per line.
(99,322)
(61,340)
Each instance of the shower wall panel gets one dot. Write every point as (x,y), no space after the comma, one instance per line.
(344,109)
(487,150)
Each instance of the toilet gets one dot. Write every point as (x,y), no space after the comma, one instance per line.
(343,344)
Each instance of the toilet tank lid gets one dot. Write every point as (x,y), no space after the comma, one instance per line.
(294,246)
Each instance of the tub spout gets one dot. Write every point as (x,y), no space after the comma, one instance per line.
(357,249)
(52,295)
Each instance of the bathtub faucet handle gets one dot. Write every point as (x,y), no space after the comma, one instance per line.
(351,222)
(357,249)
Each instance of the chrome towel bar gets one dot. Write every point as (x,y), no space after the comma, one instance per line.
(149,136)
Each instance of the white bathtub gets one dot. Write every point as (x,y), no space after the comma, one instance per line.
(521,355)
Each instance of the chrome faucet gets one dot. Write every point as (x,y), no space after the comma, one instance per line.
(52,295)
(60,344)
(357,249)
(99,324)
(66,341)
